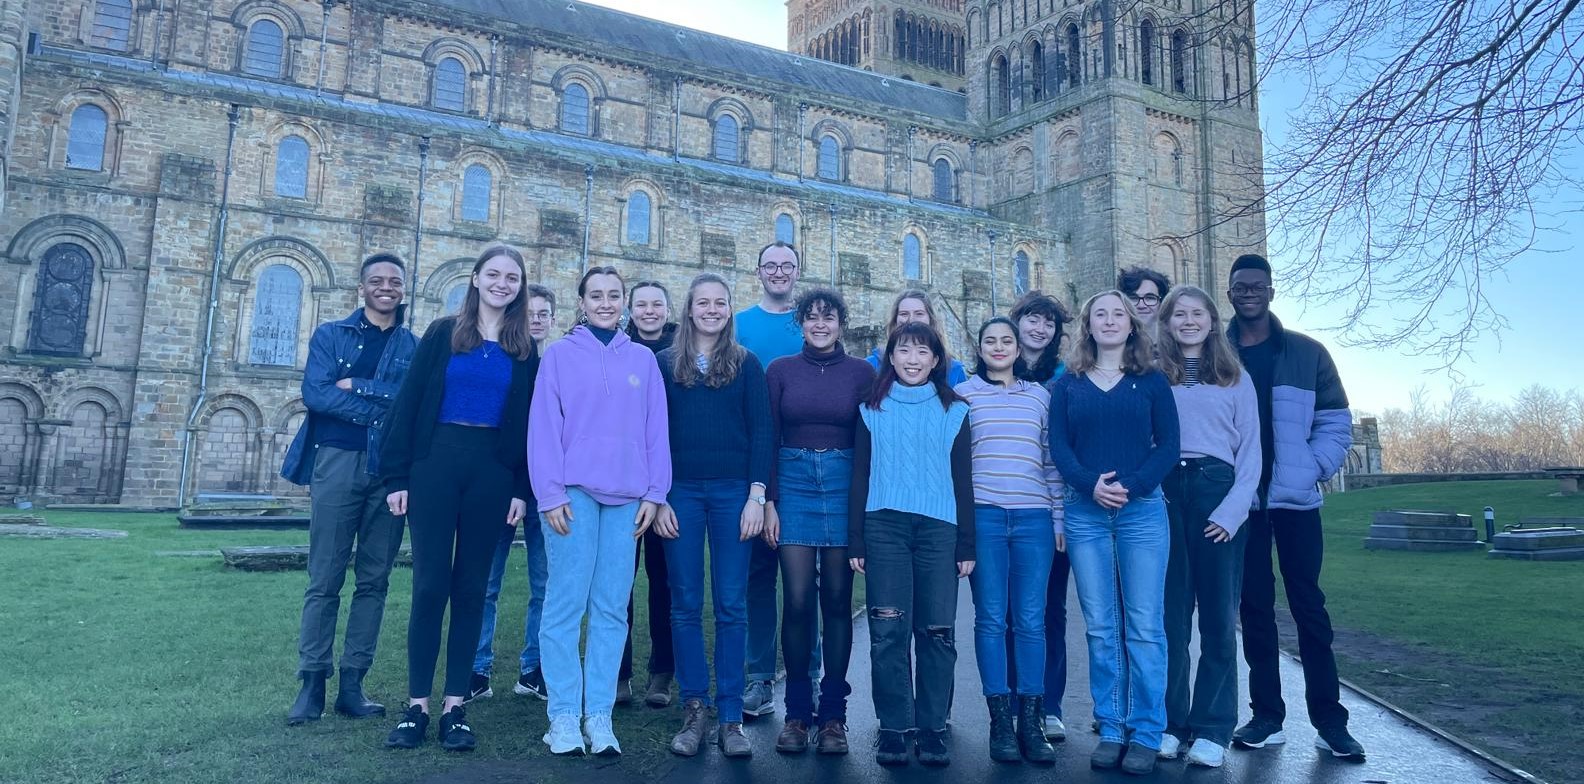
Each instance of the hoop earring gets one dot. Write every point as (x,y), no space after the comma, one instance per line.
(582,317)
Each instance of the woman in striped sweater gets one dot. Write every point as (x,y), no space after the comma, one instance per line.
(1017,528)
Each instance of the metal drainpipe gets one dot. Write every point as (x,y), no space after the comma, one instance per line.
(802,113)
(912,132)
(412,267)
(973,174)
(489,107)
(1206,170)
(588,209)
(324,34)
(232,118)
(676,119)
(994,266)
(835,265)
(159,17)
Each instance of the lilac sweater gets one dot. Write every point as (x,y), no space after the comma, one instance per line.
(1223,423)
(598,422)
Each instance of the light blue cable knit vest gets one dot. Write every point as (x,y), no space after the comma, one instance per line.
(910,460)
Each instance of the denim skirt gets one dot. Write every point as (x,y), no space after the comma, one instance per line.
(813,487)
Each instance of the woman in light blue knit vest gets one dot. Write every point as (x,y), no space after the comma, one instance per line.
(912,533)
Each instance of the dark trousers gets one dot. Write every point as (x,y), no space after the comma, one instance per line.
(1055,636)
(662,659)
(1300,546)
(911,571)
(348,508)
(1207,575)
(459,498)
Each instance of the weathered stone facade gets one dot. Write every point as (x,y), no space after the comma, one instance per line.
(190,186)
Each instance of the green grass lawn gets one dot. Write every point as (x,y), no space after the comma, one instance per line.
(1492,650)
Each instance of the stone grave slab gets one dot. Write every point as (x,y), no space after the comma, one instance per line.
(1541,539)
(1422,531)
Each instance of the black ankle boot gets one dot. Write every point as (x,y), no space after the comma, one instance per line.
(1003,739)
(1031,731)
(350,701)
(310,699)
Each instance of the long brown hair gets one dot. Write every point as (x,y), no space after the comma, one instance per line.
(1218,363)
(1137,354)
(916,334)
(514,337)
(725,360)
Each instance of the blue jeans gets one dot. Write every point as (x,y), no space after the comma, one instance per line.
(533,543)
(1015,548)
(710,509)
(590,573)
(1119,561)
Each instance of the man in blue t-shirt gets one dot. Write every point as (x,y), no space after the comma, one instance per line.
(770,330)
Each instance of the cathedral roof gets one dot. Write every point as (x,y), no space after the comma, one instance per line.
(637,34)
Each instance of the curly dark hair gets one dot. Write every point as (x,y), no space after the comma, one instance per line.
(822,295)
(1129,280)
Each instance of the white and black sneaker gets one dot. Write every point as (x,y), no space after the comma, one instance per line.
(455,732)
(409,732)
(532,683)
(479,688)
(1258,733)
(1340,743)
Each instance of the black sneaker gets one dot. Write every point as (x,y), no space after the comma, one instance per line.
(891,748)
(455,733)
(930,746)
(532,682)
(409,732)
(479,688)
(1341,745)
(1258,733)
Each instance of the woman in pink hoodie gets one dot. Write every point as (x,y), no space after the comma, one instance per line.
(599,456)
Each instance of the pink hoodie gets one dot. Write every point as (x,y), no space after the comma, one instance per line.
(598,423)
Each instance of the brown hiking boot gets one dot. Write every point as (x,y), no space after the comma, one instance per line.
(793,738)
(832,737)
(687,741)
(733,742)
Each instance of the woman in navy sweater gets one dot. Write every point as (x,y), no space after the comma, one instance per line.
(1114,437)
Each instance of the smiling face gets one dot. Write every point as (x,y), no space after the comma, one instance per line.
(541,316)
(1190,322)
(1035,332)
(650,311)
(1109,324)
(1251,293)
(910,310)
(778,271)
(709,307)
(499,282)
(822,328)
(1146,300)
(913,363)
(382,288)
(998,348)
(602,301)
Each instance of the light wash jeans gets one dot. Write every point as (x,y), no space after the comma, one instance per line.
(590,574)
(1015,548)
(1119,560)
(533,543)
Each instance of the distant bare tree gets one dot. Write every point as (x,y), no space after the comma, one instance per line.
(1538,429)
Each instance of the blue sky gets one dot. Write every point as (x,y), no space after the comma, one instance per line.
(1541,345)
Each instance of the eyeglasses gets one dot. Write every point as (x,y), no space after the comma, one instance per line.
(1148,299)
(784,268)
(1258,290)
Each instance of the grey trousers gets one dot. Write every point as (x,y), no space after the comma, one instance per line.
(348,508)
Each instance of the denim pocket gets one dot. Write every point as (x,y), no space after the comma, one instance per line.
(1219,473)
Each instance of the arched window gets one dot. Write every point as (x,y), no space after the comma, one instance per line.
(727,139)
(264,54)
(830,167)
(1179,54)
(912,258)
(85,140)
(1036,56)
(638,212)
(1002,96)
(291,168)
(60,301)
(477,184)
(945,181)
(450,85)
(1074,61)
(273,340)
(112,25)
(785,229)
(1147,51)
(575,109)
(456,296)
(1020,273)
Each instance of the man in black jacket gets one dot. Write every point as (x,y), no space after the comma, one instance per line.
(355,367)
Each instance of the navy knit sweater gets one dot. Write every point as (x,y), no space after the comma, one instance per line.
(720,432)
(1130,429)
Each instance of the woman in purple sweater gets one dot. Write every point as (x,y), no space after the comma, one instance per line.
(600,462)
(814,397)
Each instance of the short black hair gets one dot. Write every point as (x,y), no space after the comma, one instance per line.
(536,290)
(1252,261)
(822,295)
(1129,280)
(778,244)
(381,258)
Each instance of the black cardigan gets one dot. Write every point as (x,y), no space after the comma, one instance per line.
(410,425)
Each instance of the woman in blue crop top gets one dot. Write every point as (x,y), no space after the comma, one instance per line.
(454,461)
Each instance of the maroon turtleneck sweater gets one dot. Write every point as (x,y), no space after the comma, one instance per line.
(814,400)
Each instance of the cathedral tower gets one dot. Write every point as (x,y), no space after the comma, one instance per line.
(920,40)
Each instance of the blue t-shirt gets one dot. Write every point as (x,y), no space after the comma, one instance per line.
(770,336)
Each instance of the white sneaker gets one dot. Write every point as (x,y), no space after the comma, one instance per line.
(563,737)
(1206,753)
(601,738)
(1170,747)
(1055,730)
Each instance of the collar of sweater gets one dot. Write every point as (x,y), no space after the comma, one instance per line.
(828,358)
(922,393)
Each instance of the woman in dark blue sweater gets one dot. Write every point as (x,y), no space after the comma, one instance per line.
(1114,437)
(720,457)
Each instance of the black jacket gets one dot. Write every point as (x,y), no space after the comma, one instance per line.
(410,426)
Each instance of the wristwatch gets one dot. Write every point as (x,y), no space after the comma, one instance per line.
(758,499)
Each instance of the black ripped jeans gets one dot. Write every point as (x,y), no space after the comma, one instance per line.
(911,587)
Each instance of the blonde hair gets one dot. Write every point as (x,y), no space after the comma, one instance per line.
(1218,363)
(725,360)
(1137,354)
(929,310)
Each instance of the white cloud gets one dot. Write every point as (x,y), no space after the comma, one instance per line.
(758,21)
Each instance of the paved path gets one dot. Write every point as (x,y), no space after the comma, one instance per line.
(1399,753)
